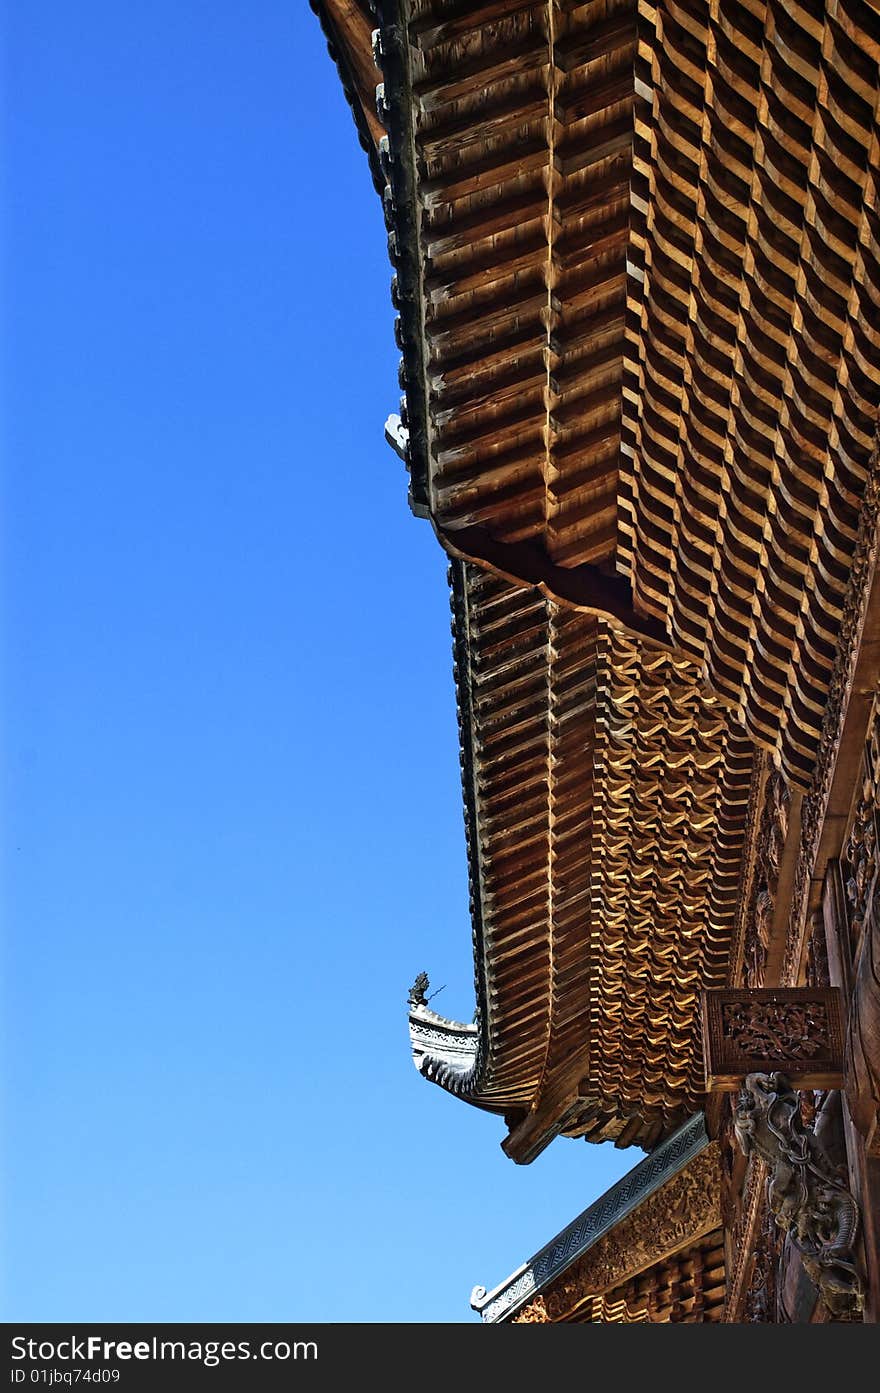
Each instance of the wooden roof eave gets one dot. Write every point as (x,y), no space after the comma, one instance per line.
(585,586)
(455,1056)
(635,1189)
(496,523)
(342,24)
(522,1065)
(397,156)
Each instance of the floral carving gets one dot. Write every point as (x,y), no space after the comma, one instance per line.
(818,972)
(533,1314)
(782,1030)
(814,805)
(760,1302)
(796,1029)
(859,860)
(768,858)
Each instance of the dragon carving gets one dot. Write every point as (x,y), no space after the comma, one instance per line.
(806,1193)
(418,992)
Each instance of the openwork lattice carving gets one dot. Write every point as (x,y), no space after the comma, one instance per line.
(795,1029)
(806,1193)
(792,1030)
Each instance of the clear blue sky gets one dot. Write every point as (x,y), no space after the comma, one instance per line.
(232,829)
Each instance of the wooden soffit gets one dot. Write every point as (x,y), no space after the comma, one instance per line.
(638,280)
(606,797)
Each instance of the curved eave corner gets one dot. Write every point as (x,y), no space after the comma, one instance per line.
(447,1053)
(443,1051)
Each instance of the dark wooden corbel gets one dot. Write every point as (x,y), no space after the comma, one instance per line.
(765,1044)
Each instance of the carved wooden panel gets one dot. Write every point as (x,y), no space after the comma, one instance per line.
(806,1192)
(863,1041)
(683,1210)
(860,859)
(742,1236)
(760,1304)
(797,1030)
(768,858)
(687,1288)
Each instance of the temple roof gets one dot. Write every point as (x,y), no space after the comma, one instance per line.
(640,1193)
(637,275)
(638,279)
(606,798)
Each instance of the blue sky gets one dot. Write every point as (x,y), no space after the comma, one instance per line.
(232,829)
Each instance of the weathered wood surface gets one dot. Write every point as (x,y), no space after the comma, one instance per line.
(349,27)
